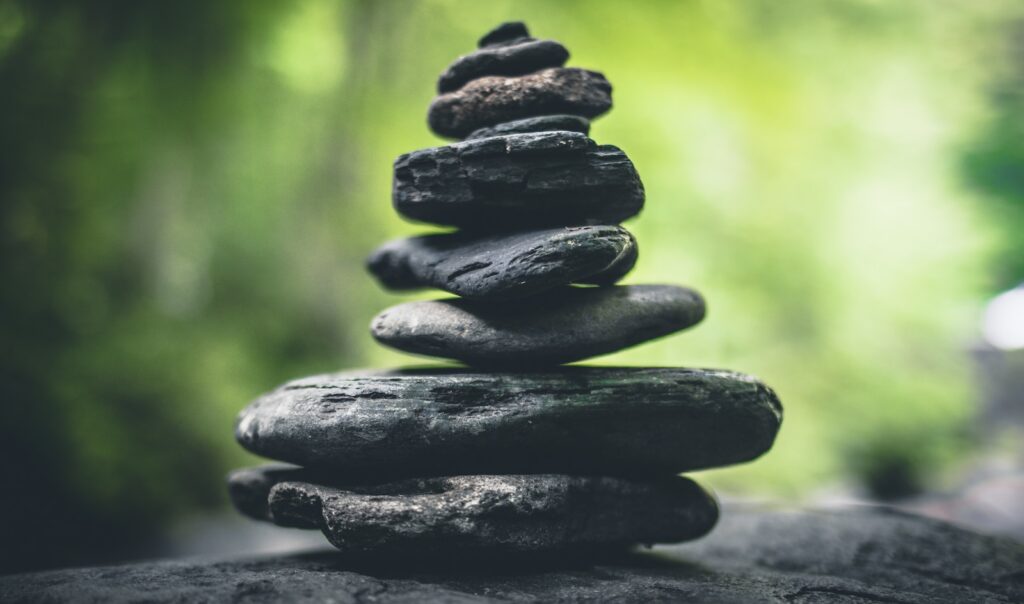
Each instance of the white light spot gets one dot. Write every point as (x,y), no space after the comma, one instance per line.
(1003,325)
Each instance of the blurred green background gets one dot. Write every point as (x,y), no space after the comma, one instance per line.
(189,189)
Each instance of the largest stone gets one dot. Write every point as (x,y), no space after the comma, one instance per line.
(543,178)
(582,420)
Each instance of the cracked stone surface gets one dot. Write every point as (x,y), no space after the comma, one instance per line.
(518,180)
(519,58)
(491,100)
(423,517)
(848,556)
(544,123)
(506,266)
(562,326)
(629,421)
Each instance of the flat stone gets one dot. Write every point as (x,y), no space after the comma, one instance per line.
(487,513)
(846,556)
(505,33)
(380,425)
(518,180)
(565,325)
(495,99)
(506,266)
(520,58)
(544,123)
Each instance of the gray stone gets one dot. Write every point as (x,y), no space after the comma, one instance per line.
(383,425)
(544,123)
(848,556)
(494,99)
(506,266)
(248,488)
(520,58)
(485,513)
(518,180)
(564,325)
(505,33)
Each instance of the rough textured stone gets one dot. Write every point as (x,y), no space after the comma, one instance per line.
(505,33)
(248,488)
(494,99)
(518,180)
(497,513)
(544,123)
(851,556)
(506,266)
(562,326)
(520,58)
(575,420)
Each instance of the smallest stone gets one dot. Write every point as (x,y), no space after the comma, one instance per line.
(504,33)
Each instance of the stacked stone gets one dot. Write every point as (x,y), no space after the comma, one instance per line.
(513,453)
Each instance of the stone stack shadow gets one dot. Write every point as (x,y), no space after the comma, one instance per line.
(514,453)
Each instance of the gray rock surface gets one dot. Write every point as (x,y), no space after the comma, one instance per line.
(494,99)
(249,488)
(562,326)
(519,58)
(851,556)
(506,266)
(544,123)
(509,32)
(518,180)
(575,420)
(424,517)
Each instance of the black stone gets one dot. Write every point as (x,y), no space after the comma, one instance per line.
(370,426)
(847,556)
(486,513)
(544,123)
(248,488)
(518,180)
(516,59)
(504,33)
(565,325)
(492,100)
(506,266)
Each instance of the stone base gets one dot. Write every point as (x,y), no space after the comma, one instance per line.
(856,555)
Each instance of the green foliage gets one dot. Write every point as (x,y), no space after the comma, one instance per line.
(189,189)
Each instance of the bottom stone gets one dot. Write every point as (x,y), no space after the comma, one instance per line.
(486,513)
(853,555)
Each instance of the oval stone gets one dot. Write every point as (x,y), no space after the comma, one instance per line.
(495,99)
(508,32)
(370,425)
(564,325)
(523,57)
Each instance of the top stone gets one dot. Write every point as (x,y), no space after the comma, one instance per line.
(506,33)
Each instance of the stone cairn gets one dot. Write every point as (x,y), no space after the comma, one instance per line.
(512,454)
